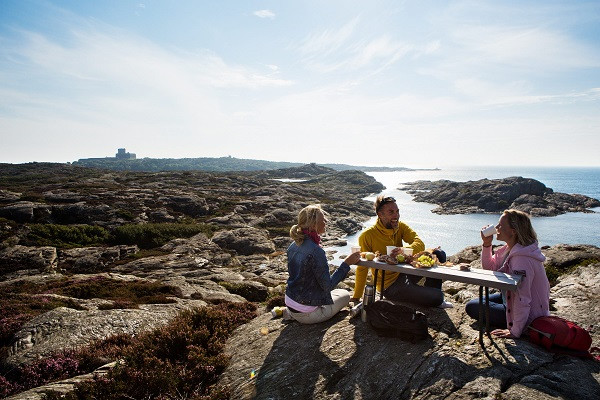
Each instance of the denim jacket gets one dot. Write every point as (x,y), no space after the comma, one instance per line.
(309,282)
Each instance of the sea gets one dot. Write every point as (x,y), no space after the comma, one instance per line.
(455,232)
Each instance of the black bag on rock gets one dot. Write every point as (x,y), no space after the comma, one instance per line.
(396,320)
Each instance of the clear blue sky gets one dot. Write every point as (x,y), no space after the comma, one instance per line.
(406,83)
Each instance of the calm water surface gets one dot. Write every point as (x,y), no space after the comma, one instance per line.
(455,232)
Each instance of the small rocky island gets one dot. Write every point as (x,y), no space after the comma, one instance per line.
(497,195)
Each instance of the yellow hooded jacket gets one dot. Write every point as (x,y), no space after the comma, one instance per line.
(376,238)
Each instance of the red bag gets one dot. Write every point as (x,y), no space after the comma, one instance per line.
(561,335)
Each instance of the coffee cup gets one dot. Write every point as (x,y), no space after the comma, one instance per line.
(354,249)
(389,249)
(488,231)
(408,251)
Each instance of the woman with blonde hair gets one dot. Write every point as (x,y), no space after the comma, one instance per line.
(513,311)
(310,296)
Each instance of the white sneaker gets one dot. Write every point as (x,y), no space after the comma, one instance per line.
(446,304)
(287,315)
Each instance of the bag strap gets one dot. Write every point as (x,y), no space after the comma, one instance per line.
(546,334)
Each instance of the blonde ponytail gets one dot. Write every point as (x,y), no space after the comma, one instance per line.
(307,219)
(297,235)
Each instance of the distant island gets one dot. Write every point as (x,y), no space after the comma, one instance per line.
(124,161)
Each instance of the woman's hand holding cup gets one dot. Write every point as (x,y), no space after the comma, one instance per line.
(487,235)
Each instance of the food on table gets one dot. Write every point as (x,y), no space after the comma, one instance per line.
(400,258)
(369,256)
(424,259)
(387,259)
(464,267)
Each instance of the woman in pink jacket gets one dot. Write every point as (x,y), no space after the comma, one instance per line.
(513,311)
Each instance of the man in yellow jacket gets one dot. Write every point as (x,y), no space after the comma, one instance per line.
(389,231)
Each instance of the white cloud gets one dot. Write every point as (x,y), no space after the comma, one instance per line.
(264,14)
(328,41)
(526,48)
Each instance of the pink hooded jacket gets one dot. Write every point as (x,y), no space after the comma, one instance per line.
(532,297)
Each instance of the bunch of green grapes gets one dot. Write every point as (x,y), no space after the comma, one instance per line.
(425,260)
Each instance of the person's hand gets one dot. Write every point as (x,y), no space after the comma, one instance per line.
(353,258)
(503,333)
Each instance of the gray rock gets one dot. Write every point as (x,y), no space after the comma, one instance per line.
(496,195)
(245,241)
(344,358)
(563,256)
(232,220)
(19,257)
(7,196)
(80,213)
(64,328)
(62,196)
(26,211)
(93,259)
(188,204)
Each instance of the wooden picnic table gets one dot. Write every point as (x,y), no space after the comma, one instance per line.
(485,279)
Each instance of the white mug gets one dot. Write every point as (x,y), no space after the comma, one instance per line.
(489,231)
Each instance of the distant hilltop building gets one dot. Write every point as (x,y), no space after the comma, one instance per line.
(122,155)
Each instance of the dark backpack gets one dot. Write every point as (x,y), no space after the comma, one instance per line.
(396,320)
(561,336)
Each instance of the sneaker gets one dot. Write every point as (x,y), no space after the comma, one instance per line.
(446,304)
(287,315)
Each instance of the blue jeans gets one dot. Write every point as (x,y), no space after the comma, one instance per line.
(497,310)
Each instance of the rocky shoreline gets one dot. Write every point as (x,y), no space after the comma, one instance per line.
(243,259)
(496,195)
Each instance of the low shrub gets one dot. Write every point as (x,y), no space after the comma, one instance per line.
(62,365)
(148,236)
(182,360)
(248,292)
(276,301)
(66,236)
(139,292)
